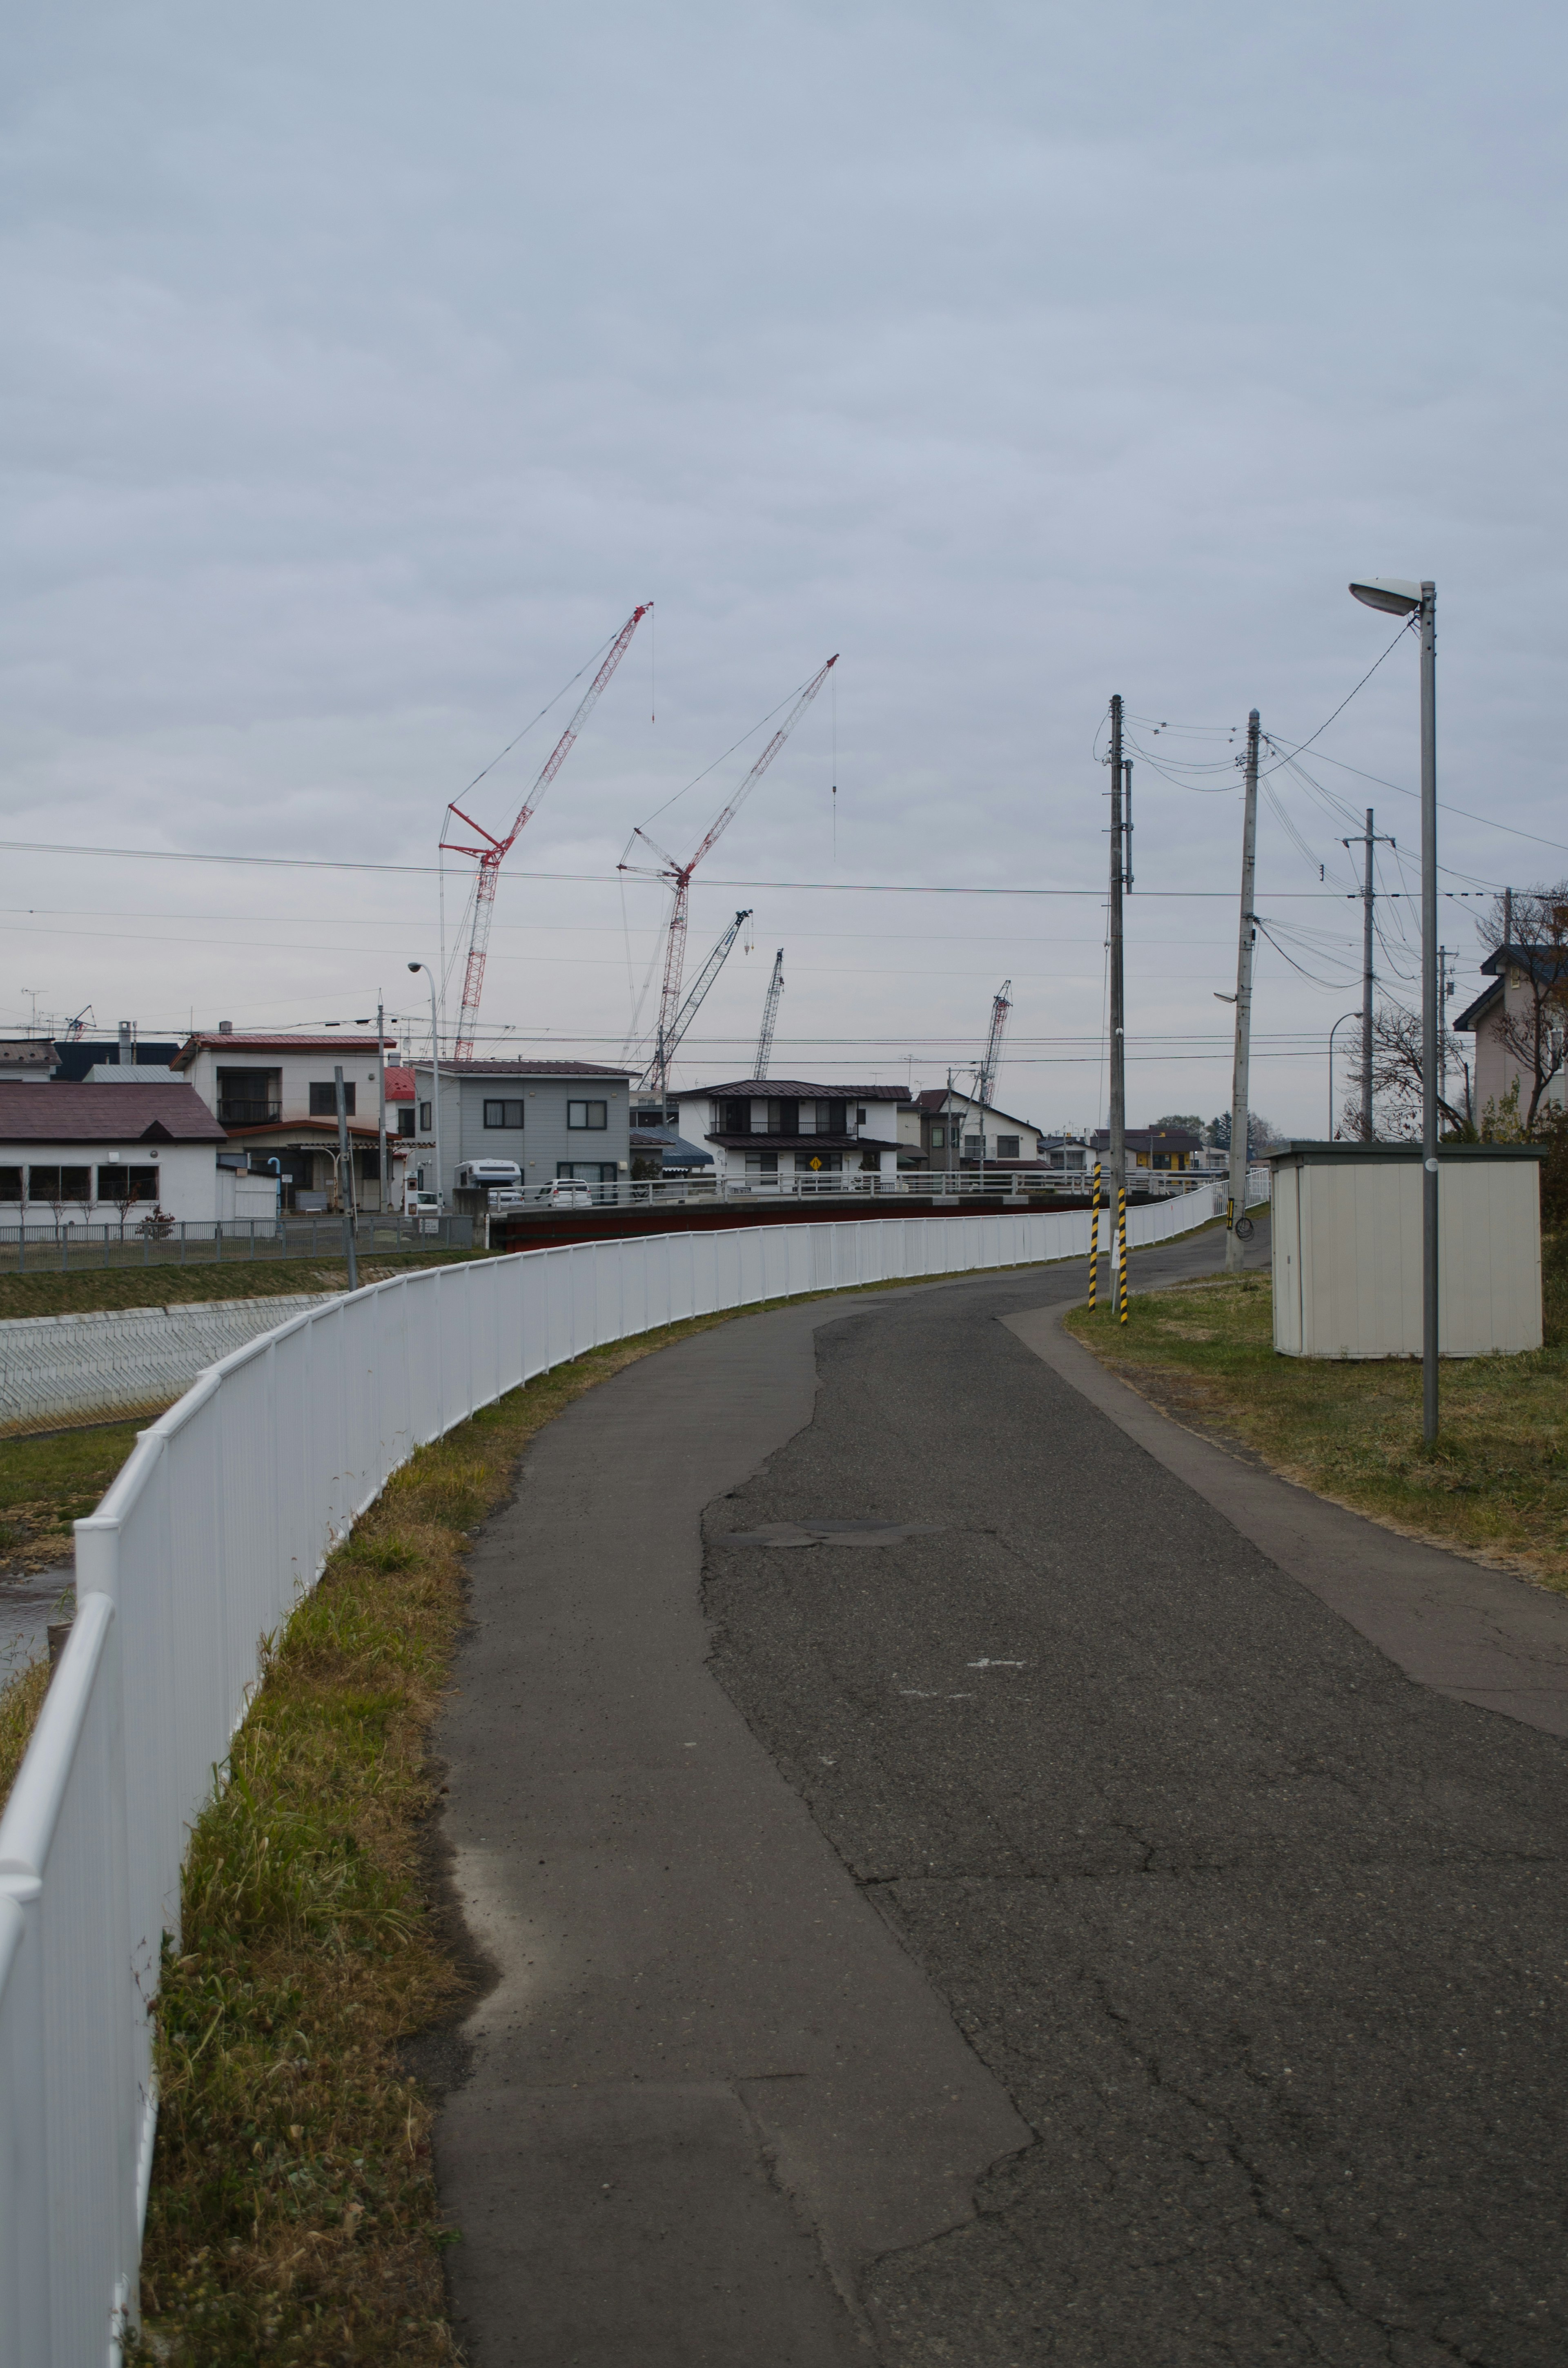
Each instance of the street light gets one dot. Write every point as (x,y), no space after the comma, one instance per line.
(436,1074)
(1397,598)
(1331,1034)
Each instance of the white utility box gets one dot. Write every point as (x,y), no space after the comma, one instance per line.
(1346,1241)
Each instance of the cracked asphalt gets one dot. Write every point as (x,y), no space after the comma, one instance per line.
(1266,1943)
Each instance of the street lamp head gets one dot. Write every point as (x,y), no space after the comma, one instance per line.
(1391,594)
(415,965)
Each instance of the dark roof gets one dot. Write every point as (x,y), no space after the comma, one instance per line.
(802,1142)
(675,1149)
(28,1052)
(88,1051)
(77,1113)
(793,1088)
(527,1069)
(933,1099)
(1474,1013)
(1172,1138)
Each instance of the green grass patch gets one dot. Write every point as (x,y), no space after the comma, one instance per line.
(1495,1482)
(49,1482)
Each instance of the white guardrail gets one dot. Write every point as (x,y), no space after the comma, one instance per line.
(221,1517)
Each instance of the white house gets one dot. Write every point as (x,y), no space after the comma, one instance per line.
(276,1098)
(764,1130)
(92,1155)
(943,1127)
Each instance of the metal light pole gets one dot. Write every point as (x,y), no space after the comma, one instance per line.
(1399,598)
(435,1075)
(1241,1073)
(345,1176)
(1331,1034)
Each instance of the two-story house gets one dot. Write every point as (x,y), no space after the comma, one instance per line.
(550,1119)
(276,1098)
(945,1127)
(765,1131)
(1169,1149)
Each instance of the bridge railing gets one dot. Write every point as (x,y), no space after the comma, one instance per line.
(220,1521)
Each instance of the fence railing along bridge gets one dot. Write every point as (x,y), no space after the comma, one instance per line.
(218,1522)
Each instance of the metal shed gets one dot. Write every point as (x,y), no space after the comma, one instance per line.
(1346,1243)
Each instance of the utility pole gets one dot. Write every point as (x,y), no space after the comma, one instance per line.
(1241,1080)
(382,1091)
(1445,989)
(1117,995)
(1369,839)
(346,1185)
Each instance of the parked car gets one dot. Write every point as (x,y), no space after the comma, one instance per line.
(424,1208)
(569,1192)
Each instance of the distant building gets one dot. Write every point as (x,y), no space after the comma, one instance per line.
(27,1060)
(90,1154)
(945,1127)
(770,1129)
(1167,1148)
(276,1098)
(550,1117)
(1528,990)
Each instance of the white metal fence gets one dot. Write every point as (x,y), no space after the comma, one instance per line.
(221,1517)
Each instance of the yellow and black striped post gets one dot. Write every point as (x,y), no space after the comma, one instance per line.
(1121,1252)
(1094,1241)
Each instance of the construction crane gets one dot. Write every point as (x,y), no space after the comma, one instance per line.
(678,876)
(769,1013)
(493,852)
(991,1062)
(657,1071)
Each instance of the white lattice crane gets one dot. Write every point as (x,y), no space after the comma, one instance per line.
(770,1016)
(693,1004)
(678,876)
(493,852)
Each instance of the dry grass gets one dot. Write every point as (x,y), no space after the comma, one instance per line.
(1494,1484)
(21,1698)
(49,1482)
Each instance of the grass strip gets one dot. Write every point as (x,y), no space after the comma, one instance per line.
(50,1481)
(1494,1483)
(87,1289)
(293,2218)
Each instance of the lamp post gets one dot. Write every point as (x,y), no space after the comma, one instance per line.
(1396,598)
(1331,1034)
(435,1075)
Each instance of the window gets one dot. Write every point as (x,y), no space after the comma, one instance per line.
(324,1100)
(762,1162)
(405,1122)
(588,1171)
(1006,1147)
(860,1115)
(423,1118)
(974,1147)
(819,1164)
(10,1183)
(939,1138)
(833,1117)
(503,1114)
(59,1183)
(122,1183)
(593,1115)
(734,1117)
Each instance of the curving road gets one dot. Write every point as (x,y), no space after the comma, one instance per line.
(1035,1926)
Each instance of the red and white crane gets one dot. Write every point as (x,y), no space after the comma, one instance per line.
(493,852)
(991,1062)
(678,876)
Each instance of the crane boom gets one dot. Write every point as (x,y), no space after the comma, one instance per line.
(494,851)
(992,1062)
(679,874)
(769,1015)
(665,1045)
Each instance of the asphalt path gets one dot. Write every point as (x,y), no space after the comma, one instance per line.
(1035,1928)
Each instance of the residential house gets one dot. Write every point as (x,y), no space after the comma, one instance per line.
(945,1127)
(1518,979)
(550,1117)
(767,1130)
(76,1153)
(277,1099)
(1168,1148)
(127,1051)
(27,1060)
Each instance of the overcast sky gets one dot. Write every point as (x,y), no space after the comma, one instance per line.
(368,365)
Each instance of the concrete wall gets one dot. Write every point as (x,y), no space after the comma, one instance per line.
(57,1369)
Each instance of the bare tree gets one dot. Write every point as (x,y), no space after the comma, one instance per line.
(1535,997)
(1396,1080)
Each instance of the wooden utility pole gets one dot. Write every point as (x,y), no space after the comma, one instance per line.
(381,1093)
(1236,1201)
